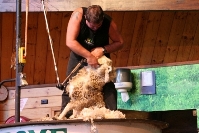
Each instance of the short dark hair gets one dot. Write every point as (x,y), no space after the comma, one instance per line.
(94,14)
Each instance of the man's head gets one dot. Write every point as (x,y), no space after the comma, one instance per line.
(94,17)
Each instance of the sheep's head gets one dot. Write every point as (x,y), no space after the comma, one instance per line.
(105,60)
(106,68)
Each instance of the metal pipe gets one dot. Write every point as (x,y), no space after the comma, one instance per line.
(7,80)
(18,43)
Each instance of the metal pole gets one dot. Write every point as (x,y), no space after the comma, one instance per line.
(18,43)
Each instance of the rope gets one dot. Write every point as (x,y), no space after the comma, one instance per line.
(51,42)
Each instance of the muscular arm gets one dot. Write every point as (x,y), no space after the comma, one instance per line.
(117,41)
(71,36)
(115,36)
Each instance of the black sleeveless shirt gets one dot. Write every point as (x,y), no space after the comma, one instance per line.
(90,39)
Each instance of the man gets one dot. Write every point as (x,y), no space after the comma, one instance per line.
(88,33)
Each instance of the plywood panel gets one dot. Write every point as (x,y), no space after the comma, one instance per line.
(138,35)
(162,37)
(150,37)
(188,36)
(175,36)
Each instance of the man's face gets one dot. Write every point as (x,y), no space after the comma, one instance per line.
(93,26)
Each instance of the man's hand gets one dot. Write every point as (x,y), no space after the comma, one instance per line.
(92,61)
(97,52)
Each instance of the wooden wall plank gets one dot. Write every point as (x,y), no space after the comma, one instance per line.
(195,46)
(127,32)
(175,36)
(162,37)
(31,46)
(0,40)
(118,19)
(13,71)
(108,13)
(36,92)
(150,38)
(55,32)
(188,36)
(41,51)
(32,102)
(137,38)
(38,48)
(22,25)
(7,43)
(64,51)
(32,114)
(119,24)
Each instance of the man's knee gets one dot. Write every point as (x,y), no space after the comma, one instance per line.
(110,96)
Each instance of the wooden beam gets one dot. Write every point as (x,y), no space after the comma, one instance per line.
(107,5)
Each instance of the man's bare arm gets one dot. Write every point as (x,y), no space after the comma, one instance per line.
(72,34)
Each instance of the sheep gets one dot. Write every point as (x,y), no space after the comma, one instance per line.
(85,89)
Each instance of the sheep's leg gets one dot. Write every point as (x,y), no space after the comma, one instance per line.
(75,114)
(68,107)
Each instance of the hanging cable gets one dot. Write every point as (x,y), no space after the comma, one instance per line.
(51,42)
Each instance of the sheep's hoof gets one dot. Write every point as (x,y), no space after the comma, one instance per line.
(55,118)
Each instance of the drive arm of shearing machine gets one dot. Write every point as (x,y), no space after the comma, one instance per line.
(62,85)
